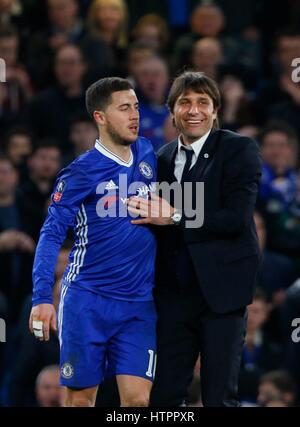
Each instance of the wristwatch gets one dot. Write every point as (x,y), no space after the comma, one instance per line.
(176,218)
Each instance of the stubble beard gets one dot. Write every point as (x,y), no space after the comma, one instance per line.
(115,136)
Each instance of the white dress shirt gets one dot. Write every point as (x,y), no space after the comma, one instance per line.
(180,158)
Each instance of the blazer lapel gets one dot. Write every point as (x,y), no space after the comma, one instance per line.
(206,154)
(166,163)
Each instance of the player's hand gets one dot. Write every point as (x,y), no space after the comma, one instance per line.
(156,211)
(42,318)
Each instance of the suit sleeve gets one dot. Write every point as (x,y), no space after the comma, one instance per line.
(71,188)
(240,181)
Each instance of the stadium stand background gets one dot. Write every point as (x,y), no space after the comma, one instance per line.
(53,49)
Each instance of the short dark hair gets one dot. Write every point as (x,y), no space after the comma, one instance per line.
(45,143)
(17,130)
(98,95)
(197,81)
(281,379)
(68,45)
(282,127)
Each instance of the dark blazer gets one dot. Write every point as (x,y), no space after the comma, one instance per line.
(224,250)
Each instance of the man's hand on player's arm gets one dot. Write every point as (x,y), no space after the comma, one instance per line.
(156,211)
(42,318)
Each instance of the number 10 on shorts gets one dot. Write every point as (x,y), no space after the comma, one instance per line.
(152,364)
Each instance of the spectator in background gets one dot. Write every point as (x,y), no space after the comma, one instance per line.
(169,130)
(152,80)
(277,386)
(10,12)
(65,27)
(18,146)
(277,272)
(66,98)
(17,90)
(83,134)
(237,104)
(278,198)
(205,21)
(17,229)
(286,48)
(153,31)
(34,355)
(250,129)
(43,166)
(208,20)
(107,22)
(260,355)
(65,24)
(49,393)
(291,331)
(280,98)
(207,56)
(237,108)
(137,53)
(6,11)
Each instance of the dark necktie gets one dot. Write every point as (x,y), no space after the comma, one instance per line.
(187,165)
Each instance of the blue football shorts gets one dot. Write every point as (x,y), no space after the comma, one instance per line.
(101,337)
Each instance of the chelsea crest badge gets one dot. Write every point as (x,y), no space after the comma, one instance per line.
(146,170)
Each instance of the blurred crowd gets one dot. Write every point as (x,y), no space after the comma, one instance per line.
(53,50)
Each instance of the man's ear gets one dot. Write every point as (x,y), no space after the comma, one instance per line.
(99,117)
(173,121)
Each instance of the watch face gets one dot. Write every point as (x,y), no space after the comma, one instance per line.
(176,217)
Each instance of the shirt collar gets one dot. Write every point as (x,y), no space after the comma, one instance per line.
(107,153)
(195,146)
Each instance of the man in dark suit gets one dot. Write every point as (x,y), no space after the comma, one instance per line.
(206,272)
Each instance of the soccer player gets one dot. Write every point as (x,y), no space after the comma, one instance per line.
(106,316)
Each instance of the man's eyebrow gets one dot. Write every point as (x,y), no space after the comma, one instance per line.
(127,104)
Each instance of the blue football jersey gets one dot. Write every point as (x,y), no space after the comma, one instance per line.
(111,256)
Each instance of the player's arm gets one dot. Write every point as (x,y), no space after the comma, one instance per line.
(240,186)
(71,188)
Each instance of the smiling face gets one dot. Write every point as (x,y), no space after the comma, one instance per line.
(120,119)
(194,115)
